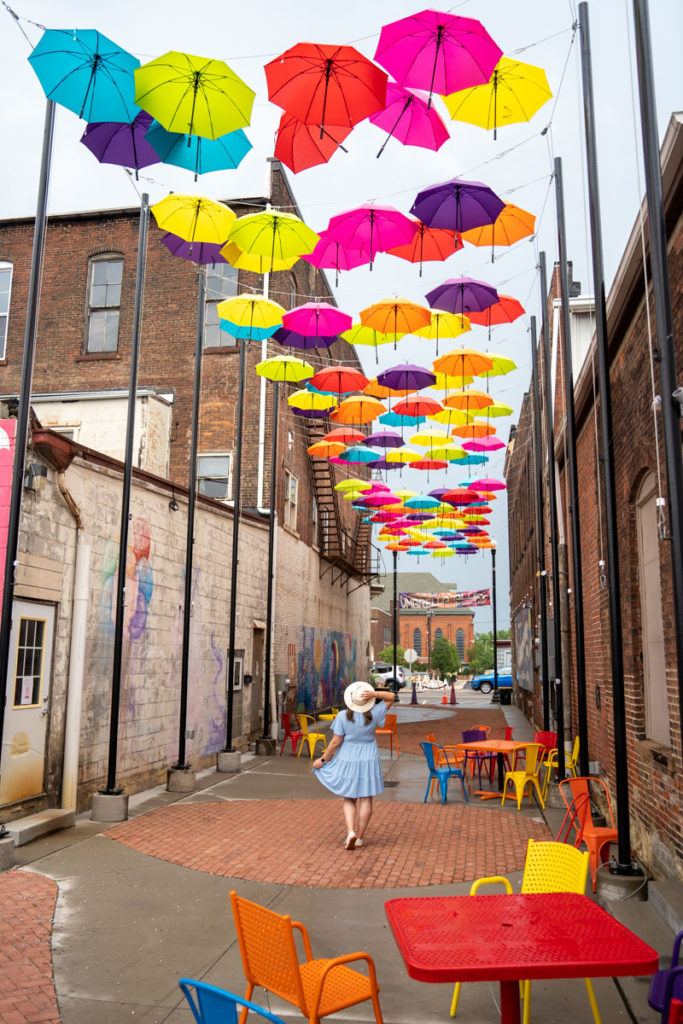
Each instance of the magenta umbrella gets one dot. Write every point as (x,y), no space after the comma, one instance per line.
(371,229)
(330,254)
(317,318)
(439,52)
(487,484)
(410,119)
(379,499)
(483,444)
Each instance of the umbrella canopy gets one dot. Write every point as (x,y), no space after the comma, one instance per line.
(197,154)
(462,362)
(406,377)
(288,369)
(353,484)
(428,464)
(194,218)
(514,93)
(501,365)
(421,405)
(384,439)
(468,400)
(330,254)
(429,438)
(324,449)
(459,496)
(273,233)
(125,145)
(451,417)
(505,311)
(428,245)
(395,419)
(421,501)
(447,382)
(457,205)
(484,444)
(193,95)
(311,414)
(437,51)
(300,146)
(339,379)
(319,318)
(87,73)
(360,454)
(472,430)
(496,409)
(233,255)
(311,401)
(196,252)
(401,455)
(345,435)
(379,391)
(302,341)
(395,317)
(462,295)
(488,484)
(472,460)
(510,226)
(359,409)
(250,316)
(326,85)
(380,500)
(410,119)
(370,229)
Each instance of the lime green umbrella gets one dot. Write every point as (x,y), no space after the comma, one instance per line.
(287,369)
(274,234)
(193,95)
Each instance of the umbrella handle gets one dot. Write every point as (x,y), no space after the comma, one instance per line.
(328,72)
(439,40)
(395,125)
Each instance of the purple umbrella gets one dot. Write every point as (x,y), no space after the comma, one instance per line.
(303,341)
(417,517)
(122,144)
(198,252)
(384,439)
(383,464)
(406,377)
(439,492)
(462,295)
(457,205)
(312,414)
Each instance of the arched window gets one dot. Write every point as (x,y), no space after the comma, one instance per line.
(105,276)
(417,640)
(5,290)
(293,291)
(439,634)
(460,643)
(652,625)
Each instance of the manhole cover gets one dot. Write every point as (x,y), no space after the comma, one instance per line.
(390,785)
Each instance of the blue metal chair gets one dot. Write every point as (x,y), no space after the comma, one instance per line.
(211,1005)
(667,983)
(444,773)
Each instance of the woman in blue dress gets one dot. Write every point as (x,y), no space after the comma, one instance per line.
(350,767)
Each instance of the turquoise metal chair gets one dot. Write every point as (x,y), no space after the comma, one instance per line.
(211,1005)
(446,771)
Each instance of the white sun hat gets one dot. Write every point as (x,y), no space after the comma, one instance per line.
(359,696)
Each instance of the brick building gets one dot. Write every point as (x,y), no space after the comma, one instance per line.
(651,687)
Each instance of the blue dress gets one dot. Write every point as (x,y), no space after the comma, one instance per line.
(354,770)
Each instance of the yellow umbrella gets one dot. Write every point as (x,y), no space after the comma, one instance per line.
(194,218)
(352,495)
(468,400)
(443,553)
(257,264)
(353,484)
(405,494)
(501,366)
(359,334)
(274,234)
(446,451)
(311,401)
(461,361)
(287,369)
(451,417)
(446,382)
(429,438)
(403,455)
(514,92)
(442,326)
(251,316)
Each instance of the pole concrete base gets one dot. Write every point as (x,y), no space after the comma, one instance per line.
(229,761)
(613,886)
(6,852)
(108,807)
(181,780)
(265,747)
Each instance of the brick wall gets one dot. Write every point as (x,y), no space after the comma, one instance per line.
(448,623)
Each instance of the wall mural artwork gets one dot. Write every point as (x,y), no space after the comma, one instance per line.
(326,664)
(524,648)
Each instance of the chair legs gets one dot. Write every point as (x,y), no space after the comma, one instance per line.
(525,991)
(443,786)
(590,992)
(455,999)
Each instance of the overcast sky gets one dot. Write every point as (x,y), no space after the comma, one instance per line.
(248,34)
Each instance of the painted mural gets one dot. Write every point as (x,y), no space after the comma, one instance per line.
(8,430)
(326,664)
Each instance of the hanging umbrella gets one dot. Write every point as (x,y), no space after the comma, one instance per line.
(496,409)
(394,419)
(319,318)
(484,444)
(300,146)
(468,400)
(250,316)
(505,311)
(462,362)
(324,449)
(447,382)
(462,295)
(511,225)
(362,335)
(384,439)
(360,454)
(501,365)
(194,218)
(345,435)
(472,430)
(428,465)
(459,496)
(448,451)
(451,417)
(197,154)
(286,369)
(421,405)
(311,401)
(311,414)
(428,245)
(124,145)
(457,205)
(395,317)
(370,229)
(330,254)
(514,93)
(421,502)
(472,460)
(410,119)
(273,233)
(437,51)
(87,73)
(379,391)
(339,379)
(352,484)
(232,254)
(359,409)
(380,500)
(302,341)
(429,438)
(197,252)
(193,95)
(402,455)
(406,377)
(488,484)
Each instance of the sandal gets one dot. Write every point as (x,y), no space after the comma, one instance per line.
(350,841)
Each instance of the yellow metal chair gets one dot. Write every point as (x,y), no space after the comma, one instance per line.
(309,736)
(551,763)
(526,776)
(549,867)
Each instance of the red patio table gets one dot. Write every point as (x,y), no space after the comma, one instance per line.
(513,938)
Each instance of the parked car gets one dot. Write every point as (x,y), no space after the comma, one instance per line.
(484,683)
(384,673)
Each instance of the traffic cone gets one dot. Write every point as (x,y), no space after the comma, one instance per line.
(444,699)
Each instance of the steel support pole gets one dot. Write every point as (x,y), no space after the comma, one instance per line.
(672,396)
(538,528)
(611,522)
(191,504)
(24,410)
(394,622)
(495,696)
(236,508)
(271,563)
(111,788)
(552,507)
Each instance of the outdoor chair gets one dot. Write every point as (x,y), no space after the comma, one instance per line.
(441,773)
(509,732)
(390,729)
(551,764)
(549,867)
(445,755)
(526,777)
(576,795)
(675,1012)
(667,983)
(293,735)
(211,1005)
(474,757)
(309,735)
(317,987)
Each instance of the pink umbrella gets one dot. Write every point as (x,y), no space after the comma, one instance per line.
(379,499)
(317,318)
(330,254)
(384,516)
(410,119)
(488,484)
(437,51)
(483,444)
(371,229)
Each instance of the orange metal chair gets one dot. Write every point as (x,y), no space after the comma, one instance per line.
(309,735)
(576,794)
(390,729)
(525,777)
(317,988)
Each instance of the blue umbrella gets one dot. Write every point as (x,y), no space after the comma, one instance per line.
(197,154)
(87,73)
(360,454)
(246,331)
(470,460)
(394,419)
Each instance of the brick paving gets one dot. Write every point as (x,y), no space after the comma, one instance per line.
(27,993)
(299,842)
(446,730)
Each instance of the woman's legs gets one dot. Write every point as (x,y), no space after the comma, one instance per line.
(350,814)
(363,816)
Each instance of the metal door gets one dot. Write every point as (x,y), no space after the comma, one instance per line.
(257,679)
(22,760)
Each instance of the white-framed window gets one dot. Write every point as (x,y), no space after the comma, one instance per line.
(71,432)
(104,303)
(5,293)
(315,523)
(214,475)
(291,500)
(221,283)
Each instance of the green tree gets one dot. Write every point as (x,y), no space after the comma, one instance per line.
(480,654)
(444,656)
(387,656)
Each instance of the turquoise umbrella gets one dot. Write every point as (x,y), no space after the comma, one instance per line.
(420,502)
(470,460)
(86,72)
(197,154)
(360,453)
(247,331)
(394,419)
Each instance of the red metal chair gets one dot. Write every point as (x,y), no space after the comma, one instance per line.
(294,735)
(509,732)
(675,1012)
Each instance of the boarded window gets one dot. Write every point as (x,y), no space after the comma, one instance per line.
(460,643)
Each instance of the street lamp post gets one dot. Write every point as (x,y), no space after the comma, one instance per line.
(495,696)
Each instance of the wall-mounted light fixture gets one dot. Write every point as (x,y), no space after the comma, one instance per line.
(173,504)
(35,476)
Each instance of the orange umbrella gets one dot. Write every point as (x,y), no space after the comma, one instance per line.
(461,362)
(325,449)
(358,409)
(510,226)
(429,245)
(468,400)
(376,390)
(347,435)
(396,316)
(473,430)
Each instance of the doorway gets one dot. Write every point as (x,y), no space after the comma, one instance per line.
(257,679)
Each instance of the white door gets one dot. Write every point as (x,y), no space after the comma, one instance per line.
(22,764)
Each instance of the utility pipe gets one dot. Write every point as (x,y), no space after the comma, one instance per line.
(539,531)
(74,694)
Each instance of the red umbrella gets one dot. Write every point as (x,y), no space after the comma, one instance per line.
(428,464)
(504,311)
(301,146)
(326,85)
(421,406)
(460,496)
(428,245)
(340,379)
